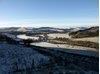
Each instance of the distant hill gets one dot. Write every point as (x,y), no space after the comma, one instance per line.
(72,31)
(15,29)
(47,29)
(90,32)
(78,28)
(22,29)
(8,29)
(31,29)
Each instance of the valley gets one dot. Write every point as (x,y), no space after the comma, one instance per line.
(38,51)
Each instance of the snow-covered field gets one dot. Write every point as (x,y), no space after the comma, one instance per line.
(54,35)
(46,44)
(69,48)
(92,39)
(16,57)
(27,37)
(65,35)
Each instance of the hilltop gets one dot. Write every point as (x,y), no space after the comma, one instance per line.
(90,32)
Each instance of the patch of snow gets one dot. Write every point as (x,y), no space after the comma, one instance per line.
(23,36)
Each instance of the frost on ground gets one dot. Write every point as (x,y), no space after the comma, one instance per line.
(16,57)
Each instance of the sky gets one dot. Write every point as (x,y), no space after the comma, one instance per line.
(49,13)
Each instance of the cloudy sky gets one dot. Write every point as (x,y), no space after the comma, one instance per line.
(51,13)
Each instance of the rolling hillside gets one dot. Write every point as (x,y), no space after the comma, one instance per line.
(90,32)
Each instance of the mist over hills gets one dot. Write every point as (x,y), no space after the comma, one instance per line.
(41,29)
(89,32)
